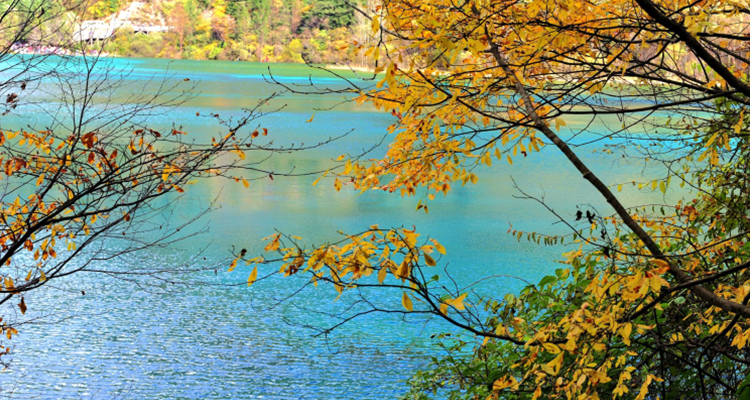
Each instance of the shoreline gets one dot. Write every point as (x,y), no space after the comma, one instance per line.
(44,50)
(59,51)
(349,68)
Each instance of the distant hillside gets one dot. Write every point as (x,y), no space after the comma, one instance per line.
(248,30)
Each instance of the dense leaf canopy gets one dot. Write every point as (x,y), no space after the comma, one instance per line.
(653,303)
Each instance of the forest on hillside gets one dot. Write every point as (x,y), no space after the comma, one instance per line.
(244,30)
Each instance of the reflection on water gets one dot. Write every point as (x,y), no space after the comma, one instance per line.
(213,341)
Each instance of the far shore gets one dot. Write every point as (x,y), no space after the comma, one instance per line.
(60,51)
(349,68)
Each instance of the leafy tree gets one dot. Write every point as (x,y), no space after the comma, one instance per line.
(179,18)
(241,14)
(221,22)
(262,12)
(328,14)
(293,51)
(94,182)
(653,300)
(99,8)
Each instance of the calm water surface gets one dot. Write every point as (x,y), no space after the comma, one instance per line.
(219,341)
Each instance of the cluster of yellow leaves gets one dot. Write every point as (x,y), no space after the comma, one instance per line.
(572,356)
(19,214)
(377,252)
(428,157)
(69,188)
(459,108)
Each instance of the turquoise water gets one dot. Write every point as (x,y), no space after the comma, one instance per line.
(217,339)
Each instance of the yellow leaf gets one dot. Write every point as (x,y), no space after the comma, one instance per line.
(551,348)
(403,270)
(559,122)
(253,276)
(321,177)
(711,140)
(505,382)
(714,157)
(439,247)
(555,364)
(659,263)
(274,244)
(537,393)
(458,302)
(233,265)
(644,388)
(406,301)
(625,333)
(703,156)
(429,260)
(245,182)
(311,118)
(381,274)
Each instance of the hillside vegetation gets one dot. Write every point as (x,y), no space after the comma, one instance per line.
(247,30)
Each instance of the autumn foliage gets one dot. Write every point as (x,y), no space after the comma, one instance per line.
(652,301)
(79,195)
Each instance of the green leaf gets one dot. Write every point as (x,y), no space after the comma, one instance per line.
(743,392)
(547,280)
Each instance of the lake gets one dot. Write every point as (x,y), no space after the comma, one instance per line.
(218,339)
